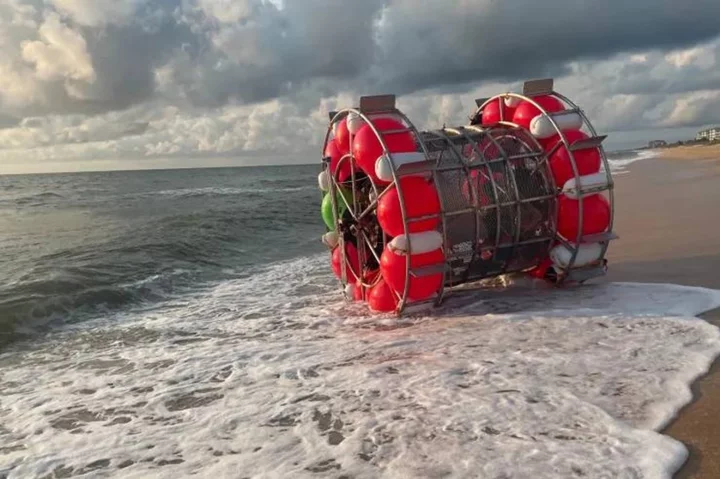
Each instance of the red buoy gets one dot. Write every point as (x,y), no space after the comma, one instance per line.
(420,199)
(381,298)
(541,269)
(491,112)
(596,216)
(526,111)
(352,264)
(367,148)
(332,150)
(392,266)
(342,136)
(587,160)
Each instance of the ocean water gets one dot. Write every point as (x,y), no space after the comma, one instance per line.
(80,245)
(186,323)
(620,160)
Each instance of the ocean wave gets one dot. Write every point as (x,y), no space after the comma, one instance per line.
(275,375)
(619,160)
(218,191)
(33,200)
(144,263)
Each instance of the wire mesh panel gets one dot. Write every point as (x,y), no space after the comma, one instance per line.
(499,200)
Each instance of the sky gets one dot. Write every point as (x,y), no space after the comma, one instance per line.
(133,84)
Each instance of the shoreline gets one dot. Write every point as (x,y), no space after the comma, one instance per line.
(707,152)
(664,218)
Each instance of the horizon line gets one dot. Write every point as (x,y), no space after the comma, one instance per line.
(205,167)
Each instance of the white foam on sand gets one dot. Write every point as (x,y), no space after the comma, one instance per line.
(619,166)
(274,376)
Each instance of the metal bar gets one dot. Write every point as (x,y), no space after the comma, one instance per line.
(362,260)
(584,274)
(352,171)
(508,271)
(372,250)
(480,101)
(600,237)
(332,192)
(396,131)
(416,219)
(492,162)
(533,88)
(566,111)
(414,168)
(418,303)
(592,142)
(522,156)
(377,102)
(507,245)
(590,191)
(374,202)
(563,241)
(428,270)
(493,183)
(443,221)
(518,220)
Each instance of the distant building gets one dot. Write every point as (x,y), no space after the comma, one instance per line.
(657,143)
(711,134)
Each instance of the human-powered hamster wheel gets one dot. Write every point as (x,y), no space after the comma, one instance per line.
(410,215)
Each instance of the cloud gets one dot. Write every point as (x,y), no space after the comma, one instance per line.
(425,44)
(95,13)
(60,54)
(99,79)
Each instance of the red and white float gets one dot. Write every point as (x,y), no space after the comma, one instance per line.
(525,188)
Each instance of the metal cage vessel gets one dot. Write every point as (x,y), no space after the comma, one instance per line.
(499,203)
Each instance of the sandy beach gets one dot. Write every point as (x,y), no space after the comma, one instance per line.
(690,152)
(669,228)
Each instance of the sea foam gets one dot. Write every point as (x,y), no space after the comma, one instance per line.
(275,376)
(619,161)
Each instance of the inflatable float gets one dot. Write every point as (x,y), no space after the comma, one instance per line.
(524,187)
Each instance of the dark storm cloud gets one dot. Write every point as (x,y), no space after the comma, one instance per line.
(124,58)
(425,46)
(401,46)
(7,121)
(274,51)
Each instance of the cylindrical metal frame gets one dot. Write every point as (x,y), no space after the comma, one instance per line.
(574,247)
(410,128)
(359,210)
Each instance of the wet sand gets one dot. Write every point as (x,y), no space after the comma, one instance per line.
(669,227)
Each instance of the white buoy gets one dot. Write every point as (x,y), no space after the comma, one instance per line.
(587,182)
(512,101)
(587,253)
(330,239)
(383,167)
(541,126)
(324,181)
(420,243)
(354,122)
